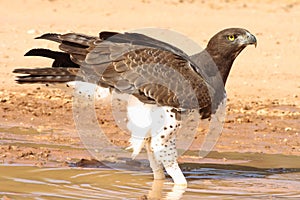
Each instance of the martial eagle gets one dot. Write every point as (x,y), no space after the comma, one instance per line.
(156,73)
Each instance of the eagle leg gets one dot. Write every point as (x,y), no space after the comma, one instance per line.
(163,143)
(155,127)
(165,153)
(156,167)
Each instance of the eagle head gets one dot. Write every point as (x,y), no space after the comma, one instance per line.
(226,45)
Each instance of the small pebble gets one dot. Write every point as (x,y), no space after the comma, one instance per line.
(288,129)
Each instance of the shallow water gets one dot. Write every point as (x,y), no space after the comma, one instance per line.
(245,176)
(205,181)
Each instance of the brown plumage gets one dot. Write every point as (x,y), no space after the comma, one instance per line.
(162,77)
(153,71)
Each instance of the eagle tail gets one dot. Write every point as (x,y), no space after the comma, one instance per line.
(74,49)
(65,67)
(47,75)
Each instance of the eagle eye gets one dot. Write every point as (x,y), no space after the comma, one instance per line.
(231,37)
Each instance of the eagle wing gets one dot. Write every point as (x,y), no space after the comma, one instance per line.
(151,70)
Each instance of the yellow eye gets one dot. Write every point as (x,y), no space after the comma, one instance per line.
(230,37)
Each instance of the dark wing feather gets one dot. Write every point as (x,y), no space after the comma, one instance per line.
(61,59)
(140,40)
(76,45)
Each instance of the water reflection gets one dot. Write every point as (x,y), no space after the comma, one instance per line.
(156,191)
(204,182)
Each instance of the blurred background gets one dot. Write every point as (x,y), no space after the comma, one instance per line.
(270,68)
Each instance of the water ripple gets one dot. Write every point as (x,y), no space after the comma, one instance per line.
(24,182)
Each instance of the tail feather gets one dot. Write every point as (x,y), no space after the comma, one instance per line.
(71,43)
(47,75)
(51,36)
(72,39)
(65,67)
(81,40)
(61,59)
(73,48)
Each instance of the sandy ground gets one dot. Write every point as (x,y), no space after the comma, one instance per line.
(263,112)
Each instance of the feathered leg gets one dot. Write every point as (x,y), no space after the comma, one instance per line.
(165,153)
(156,167)
(163,143)
(156,128)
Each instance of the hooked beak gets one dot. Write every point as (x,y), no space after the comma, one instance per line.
(248,39)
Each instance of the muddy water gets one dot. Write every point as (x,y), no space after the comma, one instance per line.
(256,179)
